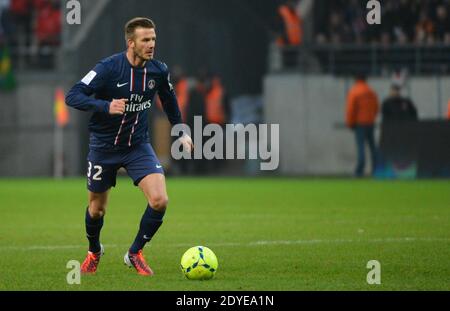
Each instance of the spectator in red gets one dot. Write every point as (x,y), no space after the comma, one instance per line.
(48,22)
(47,31)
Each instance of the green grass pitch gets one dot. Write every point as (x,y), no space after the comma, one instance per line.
(268,234)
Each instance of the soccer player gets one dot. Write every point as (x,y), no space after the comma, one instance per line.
(124,86)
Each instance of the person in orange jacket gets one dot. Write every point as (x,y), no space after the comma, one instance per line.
(181,85)
(361,112)
(214,102)
(290,25)
(448,110)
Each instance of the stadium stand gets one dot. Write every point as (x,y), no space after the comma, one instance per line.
(413,34)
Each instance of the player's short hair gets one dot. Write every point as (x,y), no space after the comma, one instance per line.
(137,22)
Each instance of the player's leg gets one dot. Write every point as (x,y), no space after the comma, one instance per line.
(94,219)
(101,177)
(146,171)
(94,223)
(154,188)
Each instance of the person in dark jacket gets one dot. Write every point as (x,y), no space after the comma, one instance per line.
(398,108)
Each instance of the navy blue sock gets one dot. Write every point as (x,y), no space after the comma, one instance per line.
(150,223)
(93,227)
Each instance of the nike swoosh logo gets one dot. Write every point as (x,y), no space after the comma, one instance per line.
(158,166)
(120,85)
(146,237)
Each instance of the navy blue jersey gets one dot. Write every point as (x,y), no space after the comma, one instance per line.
(115,78)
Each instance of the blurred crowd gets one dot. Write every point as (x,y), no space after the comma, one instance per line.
(402,22)
(202,95)
(31,29)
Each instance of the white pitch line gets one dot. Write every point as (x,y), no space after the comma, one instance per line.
(336,241)
(47,247)
(236,244)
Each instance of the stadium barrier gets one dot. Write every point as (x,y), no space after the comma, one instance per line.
(374,59)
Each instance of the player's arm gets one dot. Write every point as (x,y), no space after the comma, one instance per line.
(169,102)
(79,97)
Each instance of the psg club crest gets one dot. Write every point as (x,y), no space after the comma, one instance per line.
(151,84)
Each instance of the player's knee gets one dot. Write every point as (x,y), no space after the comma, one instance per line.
(97,210)
(159,202)
(99,213)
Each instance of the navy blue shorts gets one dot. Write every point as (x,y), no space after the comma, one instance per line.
(139,162)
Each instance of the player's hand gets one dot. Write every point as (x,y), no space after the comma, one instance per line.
(187,143)
(117,106)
